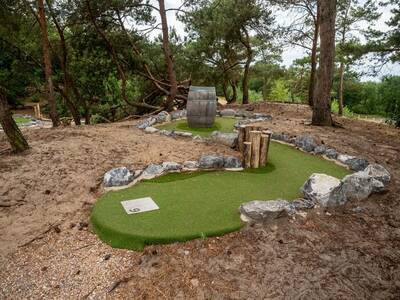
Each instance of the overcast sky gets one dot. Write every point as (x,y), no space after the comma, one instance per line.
(289,53)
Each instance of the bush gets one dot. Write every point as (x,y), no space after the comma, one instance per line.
(390,93)
(346,111)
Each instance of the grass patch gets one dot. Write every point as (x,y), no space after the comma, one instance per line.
(221,124)
(203,204)
(21,120)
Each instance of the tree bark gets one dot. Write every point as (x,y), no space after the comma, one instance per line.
(47,65)
(17,141)
(322,102)
(313,71)
(341,87)
(168,57)
(249,52)
(233,99)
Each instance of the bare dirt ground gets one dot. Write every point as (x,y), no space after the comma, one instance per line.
(48,193)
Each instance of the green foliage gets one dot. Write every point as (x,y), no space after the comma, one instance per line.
(390,93)
(346,111)
(279,91)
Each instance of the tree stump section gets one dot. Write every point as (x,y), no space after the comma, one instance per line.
(253,144)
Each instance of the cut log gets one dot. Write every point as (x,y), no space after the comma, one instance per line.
(264,150)
(247,131)
(255,138)
(247,154)
(241,138)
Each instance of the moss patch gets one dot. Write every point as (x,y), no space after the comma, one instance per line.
(21,120)
(203,204)
(221,124)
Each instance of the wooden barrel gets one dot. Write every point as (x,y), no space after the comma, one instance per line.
(201,106)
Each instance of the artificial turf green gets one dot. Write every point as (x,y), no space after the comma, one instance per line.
(221,124)
(21,120)
(203,204)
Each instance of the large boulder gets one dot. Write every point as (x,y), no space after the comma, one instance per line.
(306,143)
(118,177)
(171,166)
(228,112)
(320,150)
(232,162)
(211,162)
(263,211)
(242,113)
(227,139)
(281,137)
(360,186)
(379,173)
(324,190)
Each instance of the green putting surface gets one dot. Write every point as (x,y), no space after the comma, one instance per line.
(221,124)
(21,120)
(203,204)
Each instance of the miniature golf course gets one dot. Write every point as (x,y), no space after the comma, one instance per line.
(220,124)
(203,204)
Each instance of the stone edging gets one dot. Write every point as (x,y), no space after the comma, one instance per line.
(318,190)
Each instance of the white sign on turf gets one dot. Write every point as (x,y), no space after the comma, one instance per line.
(139,205)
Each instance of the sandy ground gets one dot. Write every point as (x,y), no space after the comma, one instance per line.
(46,196)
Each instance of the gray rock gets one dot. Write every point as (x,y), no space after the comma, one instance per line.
(379,173)
(211,162)
(118,177)
(241,113)
(264,211)
(183,133)
(281,137)
(320,150)
(198,138)
(331,153)
(360,186)
(178,114)
(344,157)
(227,139)
(171,166)
(150,129)
(163,117)
(191,164)
(357,164)
(153,170)
(228,112)
(231,162)
(300,204)
(324,190)
(146,123)
(306,142)
(261,116)
(165,132)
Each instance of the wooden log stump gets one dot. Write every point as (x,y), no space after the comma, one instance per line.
(264,149)
(241,138)
(247,154)
(255,139)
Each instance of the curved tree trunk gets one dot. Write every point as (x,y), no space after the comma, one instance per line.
(245,82)
(322,102)
(47,65)
(17,141)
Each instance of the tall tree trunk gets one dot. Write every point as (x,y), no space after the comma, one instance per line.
(313,71)
(322,102)
(249,53)
(225,90)
(68,82)
(168,57)
(14,135)
(341,87)
(234,91)
(47,65)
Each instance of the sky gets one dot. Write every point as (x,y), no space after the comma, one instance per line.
(291,53)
